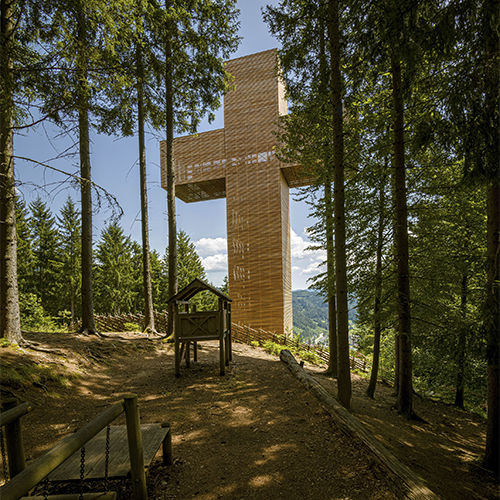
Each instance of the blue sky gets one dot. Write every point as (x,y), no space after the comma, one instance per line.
(115,168)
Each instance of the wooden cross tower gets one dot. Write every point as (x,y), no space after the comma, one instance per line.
(238,163)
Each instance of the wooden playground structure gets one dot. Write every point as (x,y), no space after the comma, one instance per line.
(193,326)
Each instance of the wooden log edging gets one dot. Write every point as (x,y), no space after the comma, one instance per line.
(404,481)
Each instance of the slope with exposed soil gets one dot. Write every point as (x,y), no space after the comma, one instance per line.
(255,433)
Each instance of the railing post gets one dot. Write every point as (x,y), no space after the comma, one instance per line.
(167,446)
(135,450)
(14,440)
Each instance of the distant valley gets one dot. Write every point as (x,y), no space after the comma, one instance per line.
(310,316)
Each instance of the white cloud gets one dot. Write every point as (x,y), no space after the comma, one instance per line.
(215,262)
(313,268)
(210,246)
(298,246)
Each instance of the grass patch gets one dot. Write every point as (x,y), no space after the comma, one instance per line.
(21,376)
(307,356)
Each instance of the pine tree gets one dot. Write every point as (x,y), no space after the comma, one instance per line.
(46,256)
(70,249)
(24,247)
(115,276)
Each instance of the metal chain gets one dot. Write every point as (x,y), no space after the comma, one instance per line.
(106,458)
(4,457)
(82,471)
(46,487)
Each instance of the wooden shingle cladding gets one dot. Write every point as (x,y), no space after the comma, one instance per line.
(239,163)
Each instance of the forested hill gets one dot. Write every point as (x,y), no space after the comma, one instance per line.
(310,316)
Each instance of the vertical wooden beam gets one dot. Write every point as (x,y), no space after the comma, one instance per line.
(14,440)
(222,357)
(135,449)
(167,446)
(177,332)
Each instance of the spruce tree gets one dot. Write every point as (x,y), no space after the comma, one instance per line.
(46,257)
(69,224)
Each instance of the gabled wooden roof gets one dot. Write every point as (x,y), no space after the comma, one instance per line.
(194,287)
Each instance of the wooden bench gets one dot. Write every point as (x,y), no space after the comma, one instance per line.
(153,436)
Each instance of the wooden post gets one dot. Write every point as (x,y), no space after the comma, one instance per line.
(229,331)
(177,333)
(43,466)
(221,339)
(14,440)
(188,354)
(136,452)
(167,446)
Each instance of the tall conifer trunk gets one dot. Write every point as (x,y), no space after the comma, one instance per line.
(88,324)
(149,320)
(491,20)
(404,398)
(461,345)
(172,225)
(10,322)
(329,221)
(344,371)
(377,327)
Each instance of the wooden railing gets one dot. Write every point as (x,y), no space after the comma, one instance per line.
(10,420)
(247,335)
(22,483)
(241,333)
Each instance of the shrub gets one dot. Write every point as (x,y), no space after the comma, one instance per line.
(132,327)
(33,316)
(310,357)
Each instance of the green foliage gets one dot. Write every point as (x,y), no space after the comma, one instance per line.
(24,375)
(310,316)
(33,315)
(115,277)
(132,327)
(45,245)
(310,357)
(69,226)
(272,347)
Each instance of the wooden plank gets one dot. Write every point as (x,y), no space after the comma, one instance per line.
(119,460)
(404,480)
(109,495)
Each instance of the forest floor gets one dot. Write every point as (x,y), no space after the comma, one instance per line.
(253,433)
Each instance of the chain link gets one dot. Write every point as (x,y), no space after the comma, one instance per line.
(82,471)
(106,458)
(46,488)
(4,457)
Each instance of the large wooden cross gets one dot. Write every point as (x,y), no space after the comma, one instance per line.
(238,163)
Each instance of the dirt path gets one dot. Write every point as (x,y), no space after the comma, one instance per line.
(255,433)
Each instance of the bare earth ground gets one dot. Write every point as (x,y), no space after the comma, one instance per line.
(254,433)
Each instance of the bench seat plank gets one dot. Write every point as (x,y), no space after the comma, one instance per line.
(119,461)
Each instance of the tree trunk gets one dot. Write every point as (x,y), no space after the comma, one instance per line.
(377,327)
(492,321)
(10,320)
(88,324)
(329,220)
(172,226)
(330,263)
(492,318)
(405,393)
(149,320)
(461,345)
(344,369)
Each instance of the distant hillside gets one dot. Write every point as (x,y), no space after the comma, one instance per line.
(310,316)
